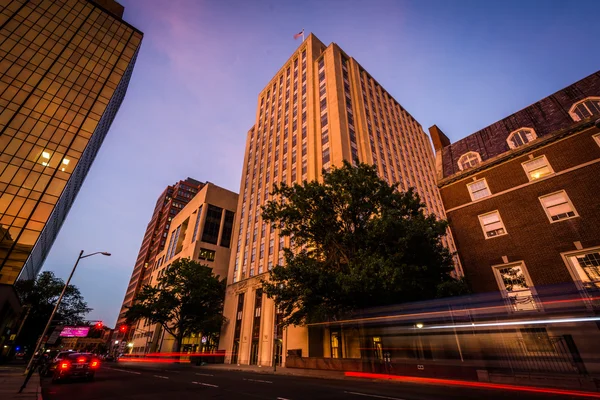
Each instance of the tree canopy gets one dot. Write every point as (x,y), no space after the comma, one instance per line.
(187,299)
(357,242)
(41,295)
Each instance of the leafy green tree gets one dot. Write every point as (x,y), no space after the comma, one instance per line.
(357,242)
(188,299)
(41,295)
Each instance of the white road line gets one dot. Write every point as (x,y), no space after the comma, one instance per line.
(282,398)
(204,384)
(256,380)
(204,374)
(374,395)
(124,370)
(161,377)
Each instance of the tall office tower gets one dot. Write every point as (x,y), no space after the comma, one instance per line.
(64,70)
(169,203)
(321,108)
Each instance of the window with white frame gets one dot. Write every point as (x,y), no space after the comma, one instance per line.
(520,137)
(585,108)
(537,168)
(516,286)
(492,224)
(479,189)
(469,160)
(585,267)
(558,206)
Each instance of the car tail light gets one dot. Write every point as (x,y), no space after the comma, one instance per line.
(81,360)
(64,365)
(95,364)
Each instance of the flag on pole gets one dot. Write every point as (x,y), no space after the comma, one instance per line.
(299,34)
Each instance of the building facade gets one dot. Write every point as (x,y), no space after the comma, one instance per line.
(320,109)
(521,199)
(64,69)
(201,231)
(172,200)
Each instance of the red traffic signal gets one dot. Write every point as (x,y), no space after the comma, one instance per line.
(98,325)
(123,328)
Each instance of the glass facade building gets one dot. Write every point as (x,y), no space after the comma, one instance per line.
(64,69)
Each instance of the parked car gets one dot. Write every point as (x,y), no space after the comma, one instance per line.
(75,365)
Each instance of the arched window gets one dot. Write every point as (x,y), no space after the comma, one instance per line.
(469,160)
(585,108)
(520,137)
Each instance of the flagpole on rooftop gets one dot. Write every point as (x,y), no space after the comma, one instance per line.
(302,34)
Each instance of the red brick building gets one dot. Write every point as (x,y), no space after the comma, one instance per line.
(521,197)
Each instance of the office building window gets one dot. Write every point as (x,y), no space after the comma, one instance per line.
(469,160)
(492,224)
(585,108)
(520,137)
(198,216)
(228,228)
(326,156)
(558,206)
(206,254)
(212,224)
(479,189)
(537,168)
(585,268)
(516,286)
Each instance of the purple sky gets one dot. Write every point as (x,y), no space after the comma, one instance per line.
(462,65)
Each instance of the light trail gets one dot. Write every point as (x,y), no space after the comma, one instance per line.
(480,385)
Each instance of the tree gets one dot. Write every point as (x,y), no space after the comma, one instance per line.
(41,295)
(188,299)
(357,242)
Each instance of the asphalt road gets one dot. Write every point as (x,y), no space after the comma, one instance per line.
(173,381)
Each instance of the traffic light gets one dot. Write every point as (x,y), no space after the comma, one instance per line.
(123,328)
(98,325)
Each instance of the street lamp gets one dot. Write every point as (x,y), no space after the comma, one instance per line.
(39,343)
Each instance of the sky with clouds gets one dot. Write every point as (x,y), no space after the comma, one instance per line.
(460,64)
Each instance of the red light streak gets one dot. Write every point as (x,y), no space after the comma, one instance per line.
(480,385)
(152,360)
(180,354)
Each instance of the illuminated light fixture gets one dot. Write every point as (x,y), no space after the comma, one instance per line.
(44,163)
(419,325)
(536,175)
(513,323)
(66,161)
(130,344)
(116,342)
(45,154)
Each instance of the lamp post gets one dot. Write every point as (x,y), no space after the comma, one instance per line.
(39,343)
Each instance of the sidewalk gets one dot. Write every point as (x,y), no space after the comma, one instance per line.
(11,379)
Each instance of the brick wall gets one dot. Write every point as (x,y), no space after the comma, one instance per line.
(531,237)
(546,116)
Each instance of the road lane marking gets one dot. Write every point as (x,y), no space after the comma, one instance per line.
(204,384)
(282,398)
(374,395)
(124,370)
(161,377)
(256,380)
(204,374)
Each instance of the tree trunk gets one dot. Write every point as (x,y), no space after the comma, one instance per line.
(177,343)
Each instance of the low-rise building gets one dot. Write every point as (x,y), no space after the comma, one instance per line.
(521,197)
(201,231)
